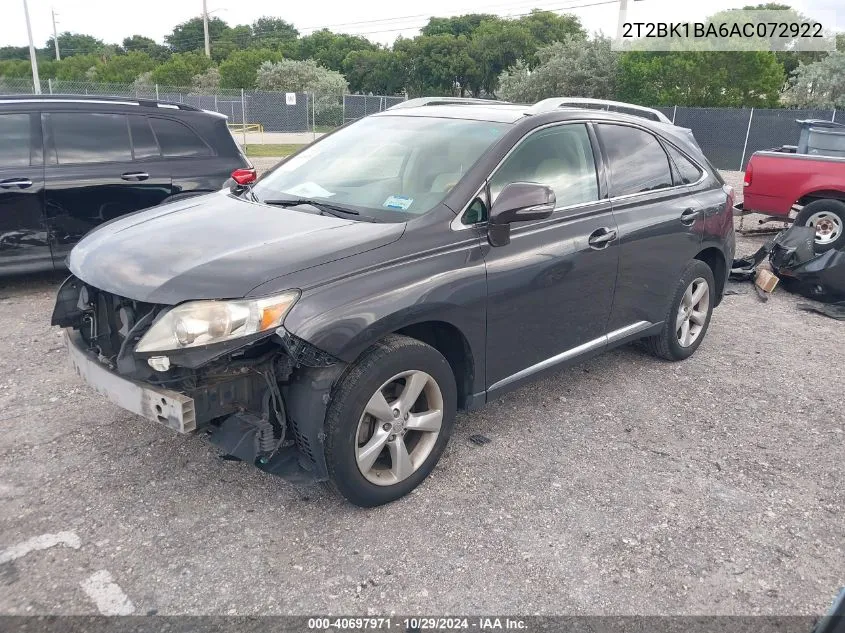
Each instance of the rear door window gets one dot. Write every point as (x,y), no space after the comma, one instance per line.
(87,137)
(637,160)
(143,142)
(177,139)
(15,140)
(687,171)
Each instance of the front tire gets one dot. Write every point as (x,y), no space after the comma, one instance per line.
(389,421)
(828,218)
(689,314)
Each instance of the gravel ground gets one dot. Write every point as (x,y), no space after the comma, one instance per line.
(625,485)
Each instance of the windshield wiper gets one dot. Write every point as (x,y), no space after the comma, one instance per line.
(325,208)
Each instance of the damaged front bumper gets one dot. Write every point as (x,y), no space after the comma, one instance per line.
(261,400)
(170,408)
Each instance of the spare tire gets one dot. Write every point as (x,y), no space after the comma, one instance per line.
(828,218)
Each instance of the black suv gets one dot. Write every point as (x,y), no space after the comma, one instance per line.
(327,322)
(70,163)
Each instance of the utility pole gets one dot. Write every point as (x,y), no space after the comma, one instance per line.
(36,80)
(623,8)
(205,27)
(56,36)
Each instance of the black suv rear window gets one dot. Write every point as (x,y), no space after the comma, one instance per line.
(83,137)
(176,139)
(637,160)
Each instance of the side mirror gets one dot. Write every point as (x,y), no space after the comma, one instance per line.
(518,202)
(241,178)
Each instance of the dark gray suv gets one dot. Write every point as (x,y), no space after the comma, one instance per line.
(326,323)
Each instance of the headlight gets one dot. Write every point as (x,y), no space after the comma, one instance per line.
(199,323)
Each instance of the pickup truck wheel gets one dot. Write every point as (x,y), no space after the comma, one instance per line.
(828,218)
(389,420)
(689,314)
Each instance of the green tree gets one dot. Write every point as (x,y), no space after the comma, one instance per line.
(207,82)
(496,46)
(575,66)
(437,64)
(820,84)
(77,67)
(275,33)
(378,72)
(74,44)
(141,44)
(717,78)
(457,25)
(189,35)
(124,68)
(14,52)
(15,68)
(240,68)
(180,69)
(547,27)
(290,75)
(330,49)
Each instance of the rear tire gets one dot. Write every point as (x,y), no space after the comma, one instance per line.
(689,315)
(389,421)
(828,217)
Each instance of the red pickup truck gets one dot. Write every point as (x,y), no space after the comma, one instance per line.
(804,183)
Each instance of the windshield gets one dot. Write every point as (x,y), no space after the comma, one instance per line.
(391,167)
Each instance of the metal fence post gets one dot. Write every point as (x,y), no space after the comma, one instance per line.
(313,116)
(343,110)
(747,134)
(156,92)
(674,114)
(50,86)
(215,103)
(243,116)
(833,118)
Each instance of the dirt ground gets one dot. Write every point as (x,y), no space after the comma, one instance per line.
(625,485)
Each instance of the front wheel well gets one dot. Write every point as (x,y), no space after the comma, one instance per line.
(715,259)
(449,341)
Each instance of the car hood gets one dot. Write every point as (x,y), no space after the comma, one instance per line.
(215,246)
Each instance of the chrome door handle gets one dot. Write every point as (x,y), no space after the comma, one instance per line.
(600,238)
(689,216)
(135,175)
(20,183)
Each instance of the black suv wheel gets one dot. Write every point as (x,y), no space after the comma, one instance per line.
(389,421)
(689,314)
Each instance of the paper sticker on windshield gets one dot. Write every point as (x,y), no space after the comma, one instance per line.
(309,190)
(398,202)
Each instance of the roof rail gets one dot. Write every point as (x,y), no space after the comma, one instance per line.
(150,103)
(549,105)
(429,101)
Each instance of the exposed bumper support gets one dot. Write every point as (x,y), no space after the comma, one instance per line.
(170,408)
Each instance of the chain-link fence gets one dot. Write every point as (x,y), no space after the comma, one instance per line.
(728,136)
(262,114)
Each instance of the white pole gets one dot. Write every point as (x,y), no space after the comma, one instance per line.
(313,117)
(50,85)
(56,36)
(674,114)
(36,80)
(620,20)
(156,92)
(833,118)
(747,134)
(205,27)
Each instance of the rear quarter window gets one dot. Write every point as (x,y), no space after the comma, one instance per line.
(15,140)
(178,140)
(88,137)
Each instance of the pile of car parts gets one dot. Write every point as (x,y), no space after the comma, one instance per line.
(800,269)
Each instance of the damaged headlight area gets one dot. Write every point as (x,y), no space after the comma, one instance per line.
(198,323)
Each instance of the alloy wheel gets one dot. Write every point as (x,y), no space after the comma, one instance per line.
(399,428)
(692,313)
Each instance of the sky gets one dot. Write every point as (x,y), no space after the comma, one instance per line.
(379,20)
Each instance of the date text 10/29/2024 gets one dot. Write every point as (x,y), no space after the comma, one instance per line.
(480,623)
